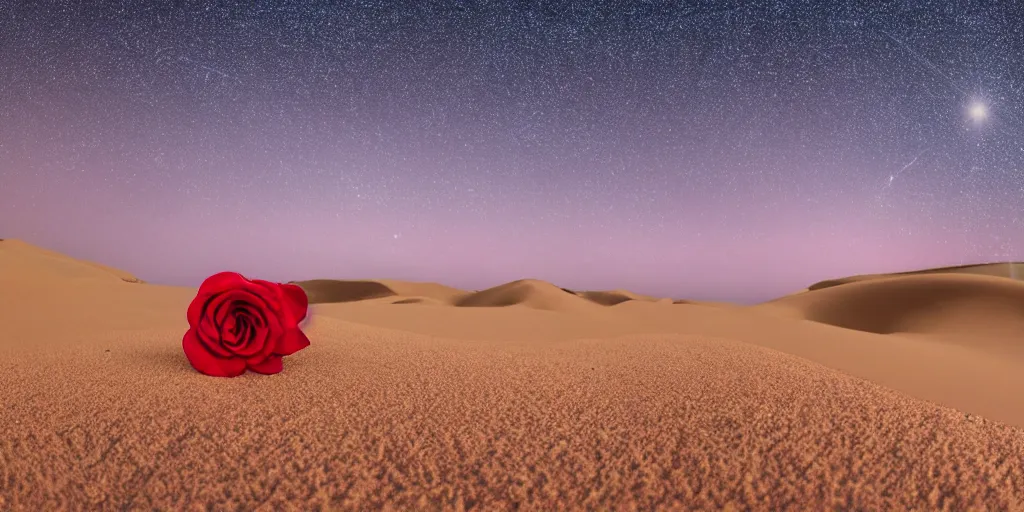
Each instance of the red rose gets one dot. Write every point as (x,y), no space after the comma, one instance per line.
(236,324)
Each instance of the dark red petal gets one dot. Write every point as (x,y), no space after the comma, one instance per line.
(207,363)
(219,310)
(297,301)
(268,291)
(293,341)
(268,336)
(207,335)
(195,310)
(223,280)
(286,299)
(213,285)
(269,366)
(258,345)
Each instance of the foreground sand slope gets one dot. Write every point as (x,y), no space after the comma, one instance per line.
(641,405)
(369,418)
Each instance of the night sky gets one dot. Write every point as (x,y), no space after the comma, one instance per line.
(717,151)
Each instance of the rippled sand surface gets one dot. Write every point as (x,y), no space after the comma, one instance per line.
(529,397)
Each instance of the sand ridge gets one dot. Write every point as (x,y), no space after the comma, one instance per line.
(322,291)
(534,293)
(978,310)
(1012,269)
(21,260)
(893,393)
(613,297)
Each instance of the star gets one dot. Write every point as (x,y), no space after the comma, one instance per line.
(978,111)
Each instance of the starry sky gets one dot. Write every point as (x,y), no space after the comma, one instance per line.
(714,150)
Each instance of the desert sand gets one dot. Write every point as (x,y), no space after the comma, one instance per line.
(882,392)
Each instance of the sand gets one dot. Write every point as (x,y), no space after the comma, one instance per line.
(897,392)
(1009,269)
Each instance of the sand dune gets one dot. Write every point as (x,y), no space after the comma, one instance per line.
(46,295)
(438,292)
(611,298)
(892,393)
(704,303)
(420,300)
(979,311)
(22,261)
(1005,269)
(325,291)
(531,293)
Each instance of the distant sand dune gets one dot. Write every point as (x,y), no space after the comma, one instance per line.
(325,291)
(322,291)
(977,310)
(439,292)
(420,300)
(705,303)
(1014,269)
(613,297)
(531,293)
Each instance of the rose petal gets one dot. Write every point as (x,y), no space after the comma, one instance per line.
(201,317)
(258,345)
(258,335)
(293,341)
(213,285)
(207,335)
(271,292)
(207,363)
(269,366)
(269,333)
(288,299)
(297,301)
(230,306)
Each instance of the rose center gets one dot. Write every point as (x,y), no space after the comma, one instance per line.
(240,327)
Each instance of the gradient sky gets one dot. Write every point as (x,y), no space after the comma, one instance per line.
(719,152)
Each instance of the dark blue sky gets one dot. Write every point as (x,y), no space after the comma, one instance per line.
(723,152)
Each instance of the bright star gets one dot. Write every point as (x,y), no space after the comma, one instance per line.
(978,111)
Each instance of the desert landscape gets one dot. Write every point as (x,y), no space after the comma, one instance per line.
(875,392)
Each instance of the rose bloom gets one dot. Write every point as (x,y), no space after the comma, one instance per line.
(237,324)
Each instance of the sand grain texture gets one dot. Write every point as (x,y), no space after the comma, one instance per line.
(542,404)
